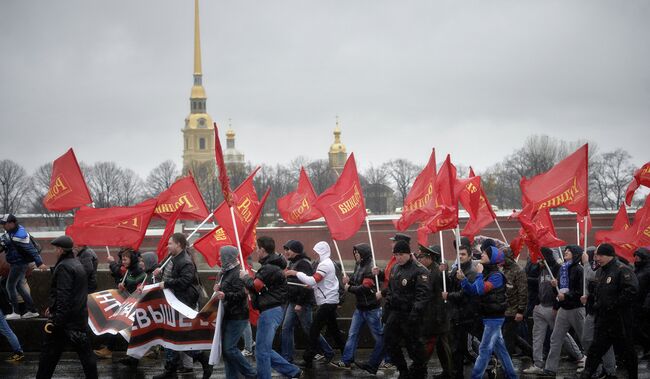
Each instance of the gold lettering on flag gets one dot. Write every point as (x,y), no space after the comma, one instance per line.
(353,201)
(244,210)
(420,201)
(220,235)
(59,189)
(302,209)
(186,198)
(134,223)
(565,197)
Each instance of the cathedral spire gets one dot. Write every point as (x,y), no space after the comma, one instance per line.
(197,40)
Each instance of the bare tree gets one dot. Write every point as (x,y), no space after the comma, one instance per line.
(610,175)
(379,197)
(130,188)
(161,178)
(320,174)
(14,186)
(104,180)
(40,187)
(403,172)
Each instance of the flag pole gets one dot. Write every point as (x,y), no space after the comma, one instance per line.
(108,252)
(584,277)
(234,225)
(550,272)
(442,260)
(457,245)
(578,233)
(501,231)
(338,252)
(372,251)
(200,225)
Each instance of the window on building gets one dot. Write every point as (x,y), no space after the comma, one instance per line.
(202,143)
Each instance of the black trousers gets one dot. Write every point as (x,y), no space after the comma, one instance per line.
(608,332)
(325,316)
(510,330)
(54,344)
(398,329)
(459,334)
(441,343)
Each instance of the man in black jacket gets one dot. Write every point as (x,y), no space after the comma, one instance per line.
(300,300)
(269,292)
(613,298)
(183,282)
(232,293)
(407,296)
(363,284)
(88,260)
(67,313)
(463,311)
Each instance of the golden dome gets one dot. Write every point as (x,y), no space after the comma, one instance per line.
(337,146)
(198,92)
(230,134)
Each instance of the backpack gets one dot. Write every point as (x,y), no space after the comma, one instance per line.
(27,256)
(339,275)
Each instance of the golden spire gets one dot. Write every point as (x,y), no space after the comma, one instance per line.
(230,134)
(197,40)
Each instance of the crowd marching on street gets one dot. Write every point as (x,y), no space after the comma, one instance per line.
(481,310)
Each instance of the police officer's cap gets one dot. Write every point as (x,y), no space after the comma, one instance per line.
(401,237)
(401,247)
(63,242)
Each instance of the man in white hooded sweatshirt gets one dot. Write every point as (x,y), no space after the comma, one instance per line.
(326,290)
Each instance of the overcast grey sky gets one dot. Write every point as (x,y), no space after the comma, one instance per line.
(472,78)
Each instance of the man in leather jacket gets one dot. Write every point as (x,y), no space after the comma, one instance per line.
(67,313)
(615,292)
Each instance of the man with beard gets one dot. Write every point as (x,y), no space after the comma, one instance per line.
(407,296)
(436,319)
(463,311)
(613,297)
(491,291)
(642,304)
(269,293)
(363,285)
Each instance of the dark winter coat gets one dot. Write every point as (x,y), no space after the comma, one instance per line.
(572,298)
(68,294)
(436,317)
(18,248)
(269,287)
(409,291)
(235,302)
(362,281)
(299,295)
(183,282)
(642,271)
(516,288)
(615,292)
(88,260)
(463,309)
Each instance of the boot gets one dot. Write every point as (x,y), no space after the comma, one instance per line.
(203,358)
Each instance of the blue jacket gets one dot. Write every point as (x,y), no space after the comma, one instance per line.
(19,246)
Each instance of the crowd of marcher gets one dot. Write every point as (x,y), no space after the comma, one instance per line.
(480,310)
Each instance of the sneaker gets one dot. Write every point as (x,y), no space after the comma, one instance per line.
(104,353)
(533,370)
(30,315)
(341,364)
(129,361)
(319,357)
(581,363)
(367,368)
(12,316)
(15,357)
(387,366)
(247,353)
(298,375)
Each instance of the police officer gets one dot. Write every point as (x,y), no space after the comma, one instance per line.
(407,296)
(67,312)
(613,297)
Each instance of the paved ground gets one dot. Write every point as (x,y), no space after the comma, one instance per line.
(69,367)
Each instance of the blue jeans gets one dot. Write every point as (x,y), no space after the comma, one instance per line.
(373,319)
(265,356)
(304,317)
(16,284)
(492,341)
(6,331)
(247,335)
(233,360)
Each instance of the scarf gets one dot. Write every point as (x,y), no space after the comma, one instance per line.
(564,277)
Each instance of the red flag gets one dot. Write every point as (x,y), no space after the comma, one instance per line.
(641,178)
(420,202)
(244,206)
(446,211)
(626,241)
(209,244)
(621,222)
(117,226)
(223,173)
(472,197)
(581,227)
(298,207)
(536,233)
(162,249)
(342,204)
(389,267)
(185,192)
(564,185)
(68,189)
